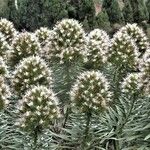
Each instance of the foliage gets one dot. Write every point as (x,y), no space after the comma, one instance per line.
(113,10)
(105,106)
(102,21)
(128,12)
(139,10)
(81,10)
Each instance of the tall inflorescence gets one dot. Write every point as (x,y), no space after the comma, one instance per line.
(31,71)
(132,84)
(138,35)
(4,46)
(43,35)
(3,68)
(38,109)
(91,91)
(67,43)
(98,48)
(4,93)
(124,52)
(144,67)
(7,28)
(24,44)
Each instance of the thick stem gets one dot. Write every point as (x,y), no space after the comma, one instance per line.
(35,138)
(87,128)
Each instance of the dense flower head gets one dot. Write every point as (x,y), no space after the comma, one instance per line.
(43,34)
(131,83)
(3,68)
(24,44)
(38,108)
(4,46)
(31,71)
(4,93)
(98,48)
(7,28)
(138,35)
(144,67)
(90,91)
(67,42)
(124,51)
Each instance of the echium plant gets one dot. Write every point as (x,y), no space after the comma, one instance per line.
(38,109)
(67,43)
(23,45)
(31,71)
(124,51)
(90,94)
(98,48)
(43,34)
(4,93)
(66,51)
(137,35)
(4,46)
(7,28)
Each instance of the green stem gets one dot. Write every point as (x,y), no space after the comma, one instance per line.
(35,139)
(87,128)
(66,117)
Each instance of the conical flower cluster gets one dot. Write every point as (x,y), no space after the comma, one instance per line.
(90,91)
(132,83)
(98,48)
(38,108)
(43,34)
(3,68)
(124,51)
(7,28)
(31,71)
(145,72)
(67,42)
(4,46)
(24,44)
(4,93)
(138,35)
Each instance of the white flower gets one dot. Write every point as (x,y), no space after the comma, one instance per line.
(43,34)
(7,29)
(137,35)
(124,51)
(31,71)
(132,83)
(23,45)
(90,91)
(98,48)
(4,93)
(35,112)
(67,42)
